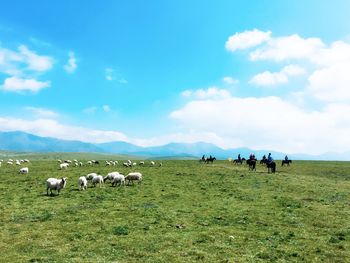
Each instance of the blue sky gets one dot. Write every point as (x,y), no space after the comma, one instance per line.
(154,72)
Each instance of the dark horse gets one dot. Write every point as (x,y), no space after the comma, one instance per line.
(239,161)
(210,159)
(287,162)
(271,167)
(252,164)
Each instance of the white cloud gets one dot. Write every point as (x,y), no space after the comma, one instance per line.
(90,110)
(22,68)
(71,65)
(247,39)
(52,128)
(109,74)
(268,78)
(122,81)
(268,123)
(106,108)
(41,112)
(203,94)
(330,84)
(287,48)
(35,62)
(229,80)
(20,85)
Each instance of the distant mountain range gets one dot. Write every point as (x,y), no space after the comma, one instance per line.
(25,142)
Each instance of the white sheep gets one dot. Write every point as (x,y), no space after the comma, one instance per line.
(119,179)
(0,164)
(110,176)
(135,176)
(26,160)
(18,162)
(91,175)
(126,164)
(153,163)
(55,184)
(9,163)
(89,162)
(141,163)
(97,179)
(59,161)
(82,183)
(64,166)
(24,170)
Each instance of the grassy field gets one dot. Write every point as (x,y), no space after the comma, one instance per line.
(182,212)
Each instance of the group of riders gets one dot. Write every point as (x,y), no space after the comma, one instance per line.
(264,160)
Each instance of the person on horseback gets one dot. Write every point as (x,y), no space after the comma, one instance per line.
(269,158)
(239,157)
(203,158)
(286,158)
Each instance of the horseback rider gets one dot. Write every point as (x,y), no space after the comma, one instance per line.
(239,157)
(269,158)
(264,157)
(203,158)
(286,158)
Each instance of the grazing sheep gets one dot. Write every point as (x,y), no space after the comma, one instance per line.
(91,175)
(141,163)
(134,164)
(0,164)
(89,162)
(118,179)
(9,163)
(82,183)
(64,166)
(153,163)
(26,160)
(97,179)
(126,164)
(55,184)
(18,162)
(110,176)
(59,161)
(24,170)
(135,176)
(80,164)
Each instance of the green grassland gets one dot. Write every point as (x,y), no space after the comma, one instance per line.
(183,211)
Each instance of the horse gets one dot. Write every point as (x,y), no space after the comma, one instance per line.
(287,162)
(210,159)
(252,164)
(202,160)
(271,167)
(239,161)
(263,161)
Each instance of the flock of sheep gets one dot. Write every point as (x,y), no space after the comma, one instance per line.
(115,178)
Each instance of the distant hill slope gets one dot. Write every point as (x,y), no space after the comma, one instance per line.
(25,142)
